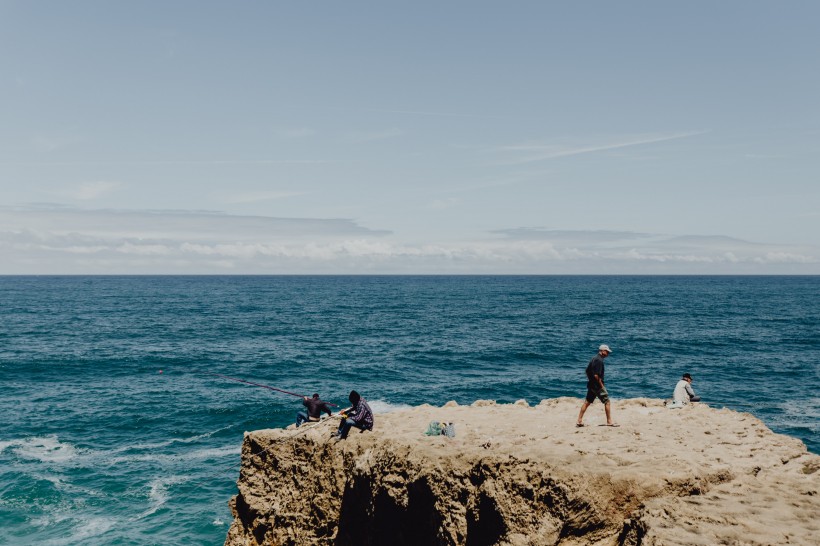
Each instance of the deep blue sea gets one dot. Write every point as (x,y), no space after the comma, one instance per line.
(111,433)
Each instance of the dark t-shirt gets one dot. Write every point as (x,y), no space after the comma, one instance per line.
(595,367)
(315,407)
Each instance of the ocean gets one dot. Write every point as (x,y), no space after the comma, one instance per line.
(113,432)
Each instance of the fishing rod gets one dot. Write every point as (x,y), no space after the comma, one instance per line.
(260,385)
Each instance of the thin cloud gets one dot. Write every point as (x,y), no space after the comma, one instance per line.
(434,114)
(359,137)
(177,162)
(63,240)
(443,204)
(95,190)
(257,196)
(89,191)
(764,156)
(711,241)
(570,237)
(533,152)
(295,133)
(46,143)
(404,112)
(158,225)
(512,180)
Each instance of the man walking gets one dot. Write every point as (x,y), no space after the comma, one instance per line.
(595,386)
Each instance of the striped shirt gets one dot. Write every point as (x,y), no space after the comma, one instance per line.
(362,415)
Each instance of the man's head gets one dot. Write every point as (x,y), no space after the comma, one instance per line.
(604,350)
(316,395)
(354,397)
(687,377)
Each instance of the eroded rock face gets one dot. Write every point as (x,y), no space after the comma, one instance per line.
(520,475)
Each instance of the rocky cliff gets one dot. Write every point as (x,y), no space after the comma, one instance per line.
(521,475)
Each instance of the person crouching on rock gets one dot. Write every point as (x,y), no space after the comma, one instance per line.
(358,415)
(314,408)
(683,391)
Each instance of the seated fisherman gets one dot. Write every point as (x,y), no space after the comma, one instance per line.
(683,391)
(358,415)
(314,410)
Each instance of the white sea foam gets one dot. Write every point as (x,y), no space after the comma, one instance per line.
(92,527)
(198,454)
(218,522)
(805,413)
(84,527)
(214,452)
(380,406)
(158,493)
(171,441)
(56,481)
(46,449)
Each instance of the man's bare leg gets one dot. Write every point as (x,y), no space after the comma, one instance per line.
(584,407)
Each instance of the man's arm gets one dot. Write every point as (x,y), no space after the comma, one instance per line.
(690,391)
(597,371)
(355,413)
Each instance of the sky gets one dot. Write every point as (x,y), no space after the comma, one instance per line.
(262,137)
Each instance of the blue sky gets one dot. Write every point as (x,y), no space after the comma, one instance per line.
(429,137)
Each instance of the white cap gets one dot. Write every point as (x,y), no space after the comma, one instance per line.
(604,348)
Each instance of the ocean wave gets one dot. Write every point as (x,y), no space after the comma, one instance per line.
(91,527)
(214,452)
(158,493)
(45,449)
(50,450)
(171,441)
(82,527)
(62,484)
(380,406)
(803,413)
(199,454)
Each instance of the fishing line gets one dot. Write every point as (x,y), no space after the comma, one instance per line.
(260,385)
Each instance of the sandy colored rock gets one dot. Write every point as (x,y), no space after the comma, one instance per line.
(520,475)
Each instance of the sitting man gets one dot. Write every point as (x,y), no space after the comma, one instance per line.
(683,391)
(358,415)
(314,410)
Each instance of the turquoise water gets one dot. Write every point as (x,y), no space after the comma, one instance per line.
(98,447)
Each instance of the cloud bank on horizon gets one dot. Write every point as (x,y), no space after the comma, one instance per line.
(60,240)
(464,138)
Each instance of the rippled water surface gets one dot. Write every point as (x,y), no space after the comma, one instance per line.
(112,433)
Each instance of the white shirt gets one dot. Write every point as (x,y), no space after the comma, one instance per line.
(683,391)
